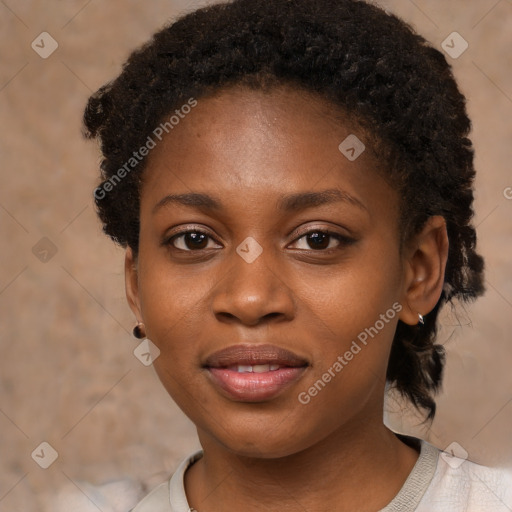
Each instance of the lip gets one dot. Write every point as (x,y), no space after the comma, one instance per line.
(249,386)
(253,354)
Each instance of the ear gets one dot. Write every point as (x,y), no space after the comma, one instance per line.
(131,278)
(425,263)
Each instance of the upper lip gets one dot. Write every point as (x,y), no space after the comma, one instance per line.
(252,355)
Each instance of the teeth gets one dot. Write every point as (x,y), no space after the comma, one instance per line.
(256,368)
(260,368)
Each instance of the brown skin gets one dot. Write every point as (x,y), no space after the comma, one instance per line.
(248,148)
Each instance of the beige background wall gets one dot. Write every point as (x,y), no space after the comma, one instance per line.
(67,373)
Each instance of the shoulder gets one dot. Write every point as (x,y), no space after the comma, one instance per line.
(460,485)
(169,496)
(158,500)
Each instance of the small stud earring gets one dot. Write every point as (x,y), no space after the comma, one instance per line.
(421,320)
(139,331)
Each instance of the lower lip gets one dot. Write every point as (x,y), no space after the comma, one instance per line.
(254,387)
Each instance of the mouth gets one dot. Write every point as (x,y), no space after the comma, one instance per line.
(255,368)
(254,373)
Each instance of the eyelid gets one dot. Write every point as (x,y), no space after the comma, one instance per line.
(299,233)
(168,239)
(188,228)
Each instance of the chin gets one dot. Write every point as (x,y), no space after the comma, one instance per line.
(262,443)
(260,450)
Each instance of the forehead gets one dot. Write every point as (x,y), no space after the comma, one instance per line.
(268,143)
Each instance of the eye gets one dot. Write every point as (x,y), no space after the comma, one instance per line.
(192,240)
(321,240)
(316,240)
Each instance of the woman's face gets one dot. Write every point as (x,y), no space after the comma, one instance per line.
(290,245)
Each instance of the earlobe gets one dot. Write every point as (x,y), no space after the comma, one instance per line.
(426,259)
(132,283)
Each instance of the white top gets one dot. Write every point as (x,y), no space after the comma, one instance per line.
(438,482)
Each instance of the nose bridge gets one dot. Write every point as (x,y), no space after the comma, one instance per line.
(253,286)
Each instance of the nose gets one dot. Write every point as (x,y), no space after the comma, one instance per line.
(253,293)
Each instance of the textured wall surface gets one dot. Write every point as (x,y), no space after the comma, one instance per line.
(68,376)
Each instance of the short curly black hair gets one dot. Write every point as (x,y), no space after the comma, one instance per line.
(368,63)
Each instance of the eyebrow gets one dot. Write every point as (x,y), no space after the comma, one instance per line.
(291,202)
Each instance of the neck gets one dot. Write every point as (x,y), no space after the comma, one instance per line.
(352,469)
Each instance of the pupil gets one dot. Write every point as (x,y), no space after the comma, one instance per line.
(195,239)
(318,240)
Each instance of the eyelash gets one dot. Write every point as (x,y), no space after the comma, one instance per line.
(342,239)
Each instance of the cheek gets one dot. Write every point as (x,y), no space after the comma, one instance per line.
(352,316)
(173,311)
(170,301)
(347,300)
